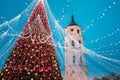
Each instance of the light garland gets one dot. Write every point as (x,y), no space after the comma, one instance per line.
(62,30)
(103,63)
(30,56)
(108,51)
(104,37)
(107,46)
(88,51)
(64,10)
(99,17)
(3,18)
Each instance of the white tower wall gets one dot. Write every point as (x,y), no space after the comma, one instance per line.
(75,66)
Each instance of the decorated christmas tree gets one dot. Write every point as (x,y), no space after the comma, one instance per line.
(33,56)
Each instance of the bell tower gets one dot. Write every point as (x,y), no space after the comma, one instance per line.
(75,66)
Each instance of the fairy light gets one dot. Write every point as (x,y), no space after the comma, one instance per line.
(108,51)
(98,55)
(64,10)
(92,23)
(103,63)
(11,24)
(45,62)
(107,46)
(27,2)
(100,17)
(3,18)
(105,36)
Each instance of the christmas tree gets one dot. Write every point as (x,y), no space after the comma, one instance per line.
(33,56)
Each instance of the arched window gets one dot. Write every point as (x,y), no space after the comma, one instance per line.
(73,72)
(73,59)
(78,31)
(81,60)
(73,43)
(79,41)
(86,73)
(72,29)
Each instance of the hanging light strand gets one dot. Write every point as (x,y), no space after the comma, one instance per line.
(99,17)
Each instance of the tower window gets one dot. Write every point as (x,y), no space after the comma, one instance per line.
(73,43)
(78,31)
(79,41)
(73,71)
(80,59)
(72,29)
(73,59)
(86,73)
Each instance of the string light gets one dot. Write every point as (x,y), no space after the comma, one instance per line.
(61,30)
(100,56)
(62,47)
(22,62)
(106,46)
(103,63)
(104,37)
(64,10)
(109,51)
(99,17)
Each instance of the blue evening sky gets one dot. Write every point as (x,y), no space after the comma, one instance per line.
(84,11)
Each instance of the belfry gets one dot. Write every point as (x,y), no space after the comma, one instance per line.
(75,66)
